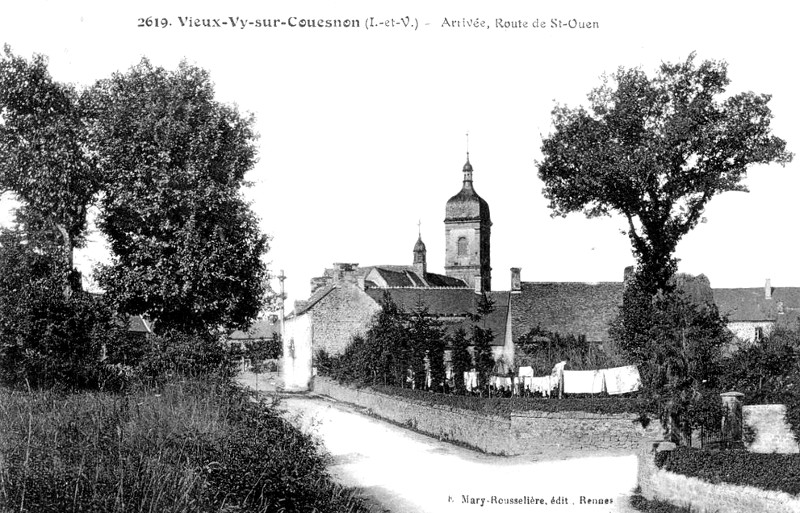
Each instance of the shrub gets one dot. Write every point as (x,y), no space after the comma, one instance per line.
(51,332)
(780,472)
(177,354)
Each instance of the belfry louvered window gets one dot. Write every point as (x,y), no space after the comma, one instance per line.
(462,246)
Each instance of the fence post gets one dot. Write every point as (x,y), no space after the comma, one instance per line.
(732,421)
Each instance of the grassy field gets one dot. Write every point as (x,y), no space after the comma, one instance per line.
(189,446)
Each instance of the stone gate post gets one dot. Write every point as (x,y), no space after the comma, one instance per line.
(732,421)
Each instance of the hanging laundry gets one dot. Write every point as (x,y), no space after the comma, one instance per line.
(542,384)
(583,382)
(471,380)
(621,380)
(501,381)
(525,372)
(557,375)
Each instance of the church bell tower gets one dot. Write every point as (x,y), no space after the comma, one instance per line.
(467,228)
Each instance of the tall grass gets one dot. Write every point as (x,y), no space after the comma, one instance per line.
(197,445)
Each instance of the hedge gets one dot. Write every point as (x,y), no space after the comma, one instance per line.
(780,472)
(502,406)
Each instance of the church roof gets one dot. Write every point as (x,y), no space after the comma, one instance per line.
(566,308)
(407,276)
(467,205)
(440,280)
(452,306)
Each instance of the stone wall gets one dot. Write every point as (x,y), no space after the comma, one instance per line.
(745,331)
(704,497)
(772,432)
(575,431)
(453,424)
(528,433)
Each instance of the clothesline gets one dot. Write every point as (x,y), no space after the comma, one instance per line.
(613,381)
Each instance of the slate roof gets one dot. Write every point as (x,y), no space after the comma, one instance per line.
(313,300)
(260,329)
(440,280)
(408,276)
(400,278)
(750,304)
(566,308)
(137,324)
(451,306)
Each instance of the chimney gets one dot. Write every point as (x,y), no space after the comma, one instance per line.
(343,272)
(516,280)
(478,288)
(318,282)
(768,290)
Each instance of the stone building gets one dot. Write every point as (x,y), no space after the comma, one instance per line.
(754,313)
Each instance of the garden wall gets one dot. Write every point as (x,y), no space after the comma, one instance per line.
(528,433)
(702,496)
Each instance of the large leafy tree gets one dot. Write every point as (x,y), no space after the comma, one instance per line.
(656,150)
(45,158)
(187,249)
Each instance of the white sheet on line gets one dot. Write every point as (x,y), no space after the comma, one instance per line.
(621,380)
(500,381)
(542,384)
(583,382)
(471,380)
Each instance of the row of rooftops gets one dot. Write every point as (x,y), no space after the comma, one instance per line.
(576,308)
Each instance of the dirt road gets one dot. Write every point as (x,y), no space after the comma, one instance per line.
(409,472)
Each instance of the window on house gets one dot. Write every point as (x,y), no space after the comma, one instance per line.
(462,246)
(759,334)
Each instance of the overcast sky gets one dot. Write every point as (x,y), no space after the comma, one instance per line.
(362,131)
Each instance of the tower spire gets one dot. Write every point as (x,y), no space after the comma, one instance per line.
(420,254)
(467,169)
